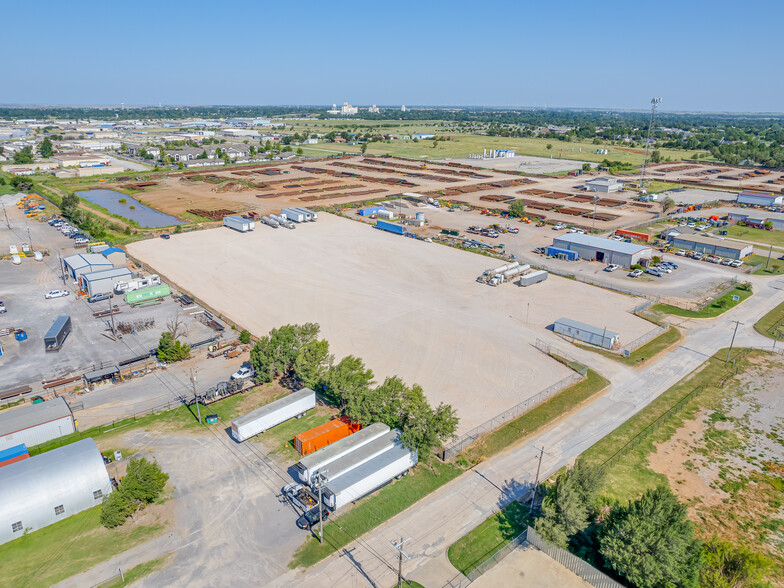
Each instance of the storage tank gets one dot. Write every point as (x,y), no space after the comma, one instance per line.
(283,221)
(268,221)
(259,420)
(503,268)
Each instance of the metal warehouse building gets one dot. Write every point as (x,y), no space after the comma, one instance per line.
(588,333)
(47,488)
(720,247)
(105,280)
(85,263)
(604,250)
(759,218)
(606,185)
(35,423)
(757,199)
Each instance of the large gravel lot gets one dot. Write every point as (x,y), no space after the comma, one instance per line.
(406,307)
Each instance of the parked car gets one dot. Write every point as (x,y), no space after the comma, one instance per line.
(635,273)
(2,308)
(698,256)
(717,259)
(664,268)
(612,267)
(670,264)
(242,373)
(98,297)
(654,272)
(311,517)
(681,252)
(165,236)
(737,263)
(559,226)
(726,261)
(539,250)
(56,294)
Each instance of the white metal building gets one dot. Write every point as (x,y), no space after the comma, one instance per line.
(85,263)
(600,336)
(105,280)
(35,423)
(604,185)
(50,487)
(759,218)
(604,250)
(757,199)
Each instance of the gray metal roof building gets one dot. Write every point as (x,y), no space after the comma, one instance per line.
(594,335)
(35,423)
(604,250)
(47,488)
(711,245)
(104,280)
(84,263)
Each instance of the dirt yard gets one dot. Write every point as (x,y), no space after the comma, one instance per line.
(406,307)
(529,567)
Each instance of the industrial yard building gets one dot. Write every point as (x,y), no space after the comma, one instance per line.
(604,250)
(115,255)
(104,281)
(605,185)
(599,336)
(756,199)
(758,219)
(35,423)
(50,487)
(85,263)
(720,247)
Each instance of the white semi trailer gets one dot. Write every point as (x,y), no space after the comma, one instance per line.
(319,460)
(361,455)
(257,421)
(309,214)
(295,215)
(238,223)
(368,477)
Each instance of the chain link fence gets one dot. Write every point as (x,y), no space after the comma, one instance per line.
(461,581)
(649,336)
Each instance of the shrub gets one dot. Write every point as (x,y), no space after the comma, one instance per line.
(244,337)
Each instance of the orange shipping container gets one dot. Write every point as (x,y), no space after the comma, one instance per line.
(634,235)
(321,436)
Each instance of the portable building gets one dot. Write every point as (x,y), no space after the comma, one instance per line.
(293,214)
(390,227)
(720,247)
(387,214)
(370,210)
(35,423)
(238,223)
(370,476)
(533,278)
(104,281)
(13,454)
(115,255)
(308,466)
(85,263)
(588,333)
(562,253)
(57,333)
(756,199)
(146,294)
(50,487)
(604,250)
(257,421)
(323,435)
(360,455)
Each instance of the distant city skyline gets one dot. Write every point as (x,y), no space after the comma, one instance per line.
(508,54)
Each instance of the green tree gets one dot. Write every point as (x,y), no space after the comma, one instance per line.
(274,355)
(300,151)
(348,383)
(586,167)
(24,156)
(313,363)
(732,566)
(144,480)
(651,543)
(549,146)
(45,149)
(171,350)
(116,507)
(517,209)
(364,147)
(424,428)
(244,336)
(656,156)
(666,204)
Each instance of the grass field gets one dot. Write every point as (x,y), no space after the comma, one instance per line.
(375,510)
(645,353)
(775,265)
(68,547)
(772,324)
(491,535)
(716,307)
(775,238)
(135,573)
(530,422)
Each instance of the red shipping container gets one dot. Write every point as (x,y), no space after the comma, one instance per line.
(321,436)
(11,460)
(634,235)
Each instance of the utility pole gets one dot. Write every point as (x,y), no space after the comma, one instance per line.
(30,239)
(593,224)
(7,222)
(654,103)
(321,508)
(733,340)
(536,480)
(401,555)
(60,261)
(111,314)
(767,261)
(193,383)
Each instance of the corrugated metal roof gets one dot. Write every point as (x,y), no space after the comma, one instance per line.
(601,243)
(711,241)
(115,272)
(101,373)
(17,419)
(81,260)
(587,328)
(110,250)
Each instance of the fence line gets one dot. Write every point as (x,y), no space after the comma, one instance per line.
(461,581)
(698,306)
(580,567)
(649,336)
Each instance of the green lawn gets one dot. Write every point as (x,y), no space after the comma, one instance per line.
(135,573)
(68,547)
(374,510)
(510,433)
(655,186)
(280,439)
(645,353)
(715,308)
(772,324)
(775,265)
(491,535)
(775,238)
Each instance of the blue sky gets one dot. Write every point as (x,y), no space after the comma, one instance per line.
(698,55)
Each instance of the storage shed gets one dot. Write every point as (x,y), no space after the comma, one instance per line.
(50,487)
(759,218)
(720,247)
(115,256)
(604,250)
(85,263)
(370,210)
(104,281)
(757,199)
(588,333)
(35,423)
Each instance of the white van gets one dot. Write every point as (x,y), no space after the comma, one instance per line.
(16,260)
(38,256)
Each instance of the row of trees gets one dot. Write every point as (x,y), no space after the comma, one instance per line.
(649,541)
(143,483)
(295,354)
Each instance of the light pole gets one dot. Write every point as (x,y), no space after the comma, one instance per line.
(536,479)
(733,340)
(401,555)
(320,506)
